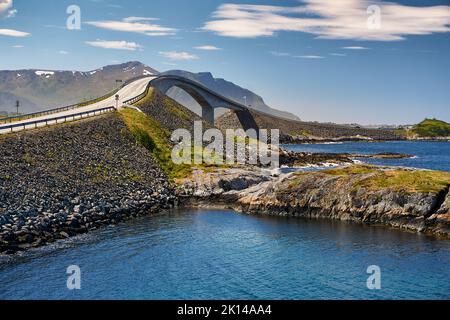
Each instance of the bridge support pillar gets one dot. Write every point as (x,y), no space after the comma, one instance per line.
(208,114)
(247,121)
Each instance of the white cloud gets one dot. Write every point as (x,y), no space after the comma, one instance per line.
(287,54)
(63,52)
(309,57)
(338,54)
(11,13)
(13,33)
(208,48)
(343,19)
(135,19)
(6,9)
(136,25)
(119,45)
(5,6)
(355,48)
(174,55)
(18,46)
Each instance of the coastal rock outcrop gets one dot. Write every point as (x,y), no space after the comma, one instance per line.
(416,200)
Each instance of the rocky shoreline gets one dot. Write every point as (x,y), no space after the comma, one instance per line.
(298,159)
(337,195)
(59,207)
(69,179)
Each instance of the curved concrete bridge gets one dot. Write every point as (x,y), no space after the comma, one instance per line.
(208,100)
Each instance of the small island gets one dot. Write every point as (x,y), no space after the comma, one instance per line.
(428,129)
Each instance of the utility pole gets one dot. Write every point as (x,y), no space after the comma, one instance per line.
(245,98)
(17,107)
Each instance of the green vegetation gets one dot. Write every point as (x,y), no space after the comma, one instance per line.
(409,181)
(428,128)
(173,108)
(169,104)
(351,170)
(98,173)
(29,159)
(396,179)
(133,175)
(153,136)
(432,128)
(147,99)
(50,154)
(302,133)
(376,179)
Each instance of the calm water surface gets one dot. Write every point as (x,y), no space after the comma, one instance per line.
(427,155)
(224,255)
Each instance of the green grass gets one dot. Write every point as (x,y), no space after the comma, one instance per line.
(147,99)
(28,159)
(153,136)
(376,179)
(351,170)
(177,111)
(98,173)
(169,104)
(432,128)
(302,133)
(408,181)
(427,128)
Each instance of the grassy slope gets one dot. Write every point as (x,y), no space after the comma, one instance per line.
(428,128)
(432,128)
(409,181)
(154,136)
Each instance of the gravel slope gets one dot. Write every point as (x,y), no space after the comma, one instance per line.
(67,179)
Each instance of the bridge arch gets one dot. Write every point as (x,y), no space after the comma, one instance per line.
(206,98)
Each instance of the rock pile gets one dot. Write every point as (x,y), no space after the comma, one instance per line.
(68,179)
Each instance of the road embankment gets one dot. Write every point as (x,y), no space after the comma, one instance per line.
(68,179)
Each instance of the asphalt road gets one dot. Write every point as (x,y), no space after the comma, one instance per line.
(130,91)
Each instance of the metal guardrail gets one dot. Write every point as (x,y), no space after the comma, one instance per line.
(80,115)
(36,114)
(70,107)
(138,97)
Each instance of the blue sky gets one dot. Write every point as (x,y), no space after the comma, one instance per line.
(318,59)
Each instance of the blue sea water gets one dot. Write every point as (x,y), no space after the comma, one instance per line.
(427,155)
(225,255)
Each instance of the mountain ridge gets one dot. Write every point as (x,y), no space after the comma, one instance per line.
(42,89)
(225,88)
